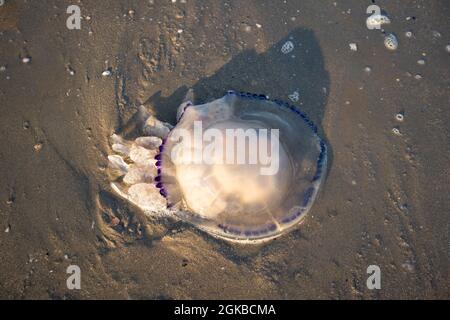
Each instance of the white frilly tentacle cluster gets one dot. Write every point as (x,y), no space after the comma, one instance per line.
(132,168)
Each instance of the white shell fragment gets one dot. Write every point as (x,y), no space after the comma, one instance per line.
(376,21)
(353,46)
(391,42)
(399,117)
(287,47)
(396,131)
(294,97)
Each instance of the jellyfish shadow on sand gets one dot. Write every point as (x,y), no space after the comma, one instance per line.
(273,73)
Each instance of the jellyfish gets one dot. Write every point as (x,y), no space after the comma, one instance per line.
(243,167)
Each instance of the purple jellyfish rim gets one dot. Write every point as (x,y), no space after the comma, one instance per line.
(309,194)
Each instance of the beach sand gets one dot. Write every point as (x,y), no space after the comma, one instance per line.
(385,200)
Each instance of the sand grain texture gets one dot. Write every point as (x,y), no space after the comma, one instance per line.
(385,200)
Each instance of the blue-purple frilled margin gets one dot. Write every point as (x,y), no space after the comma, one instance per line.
(309,193)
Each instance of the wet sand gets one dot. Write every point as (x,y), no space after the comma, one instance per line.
(385,201)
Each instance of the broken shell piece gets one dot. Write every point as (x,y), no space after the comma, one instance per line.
(38,146)
(391,42)
(294,97)
(376,21)
(396,131)
(287,47)
(399,117)
(107,73)
(353,46)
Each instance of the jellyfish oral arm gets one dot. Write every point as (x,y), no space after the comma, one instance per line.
(132,168)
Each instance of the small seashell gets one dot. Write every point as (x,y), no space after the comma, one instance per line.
(396,131)
(2,68)
(408,34)
(399,117)
(447,47)
(11,199)
(106,73)
(353,46)
(421,62)
(376,21)
(294,97)
(70,70)
(287,47)
(26,60)
(38,146)
(418,77)
(391,42)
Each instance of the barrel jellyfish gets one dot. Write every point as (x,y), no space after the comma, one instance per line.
(242,168)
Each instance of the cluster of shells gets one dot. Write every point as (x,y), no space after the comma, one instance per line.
(376,21)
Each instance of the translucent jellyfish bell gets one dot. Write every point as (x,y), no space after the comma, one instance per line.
(242,167)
